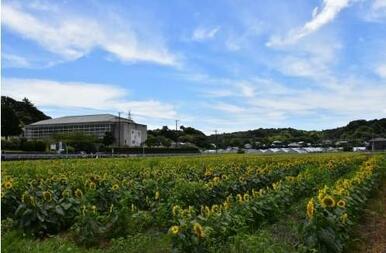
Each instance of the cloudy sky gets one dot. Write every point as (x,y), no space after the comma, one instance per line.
(226,65)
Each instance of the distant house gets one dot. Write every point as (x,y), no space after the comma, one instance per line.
(248,146)
(294,145)
(377,144)
(341,143)
(358,149)
(277,144)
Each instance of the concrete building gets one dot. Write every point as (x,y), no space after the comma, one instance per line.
(377,144)
(125,131)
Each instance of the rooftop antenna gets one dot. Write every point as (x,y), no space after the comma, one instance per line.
(215,132)
(129,115)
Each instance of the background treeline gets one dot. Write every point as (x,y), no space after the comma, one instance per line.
(356,133)
(16,114)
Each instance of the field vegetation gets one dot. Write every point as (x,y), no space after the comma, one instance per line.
(229,203)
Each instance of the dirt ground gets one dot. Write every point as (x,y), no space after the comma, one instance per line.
(370,234)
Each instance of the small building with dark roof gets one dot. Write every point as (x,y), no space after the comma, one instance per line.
(377,144)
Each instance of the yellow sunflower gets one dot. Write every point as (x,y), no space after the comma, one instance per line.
(8,184)
(115,187)
(198,230)
(47,196)
(92,185)
(310,208)
(341,203)
(215,208)
(328,201)
(26,198)
(246,197)
(66,193)
(174,230)
(175,209)
(78,193)
(239,198)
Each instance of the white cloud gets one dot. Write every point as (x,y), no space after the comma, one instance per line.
(72,37)
(376,12)
(328,12)
(11,60)
(246,89)
(381,71)
(202,33)
(83,96)
(228,108)
(379,4)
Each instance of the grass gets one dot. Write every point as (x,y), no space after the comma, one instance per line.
(15,242)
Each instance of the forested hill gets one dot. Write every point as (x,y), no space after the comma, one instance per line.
(16,114)
(358,129)
(356,132)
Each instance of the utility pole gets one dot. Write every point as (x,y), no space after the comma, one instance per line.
(177,133)
(215,132)
(119,129)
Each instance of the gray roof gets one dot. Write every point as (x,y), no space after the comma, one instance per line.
(378,139)
(82,119)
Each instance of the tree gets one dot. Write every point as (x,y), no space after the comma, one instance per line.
(79,141)
(10,124)
(108,139)
(151,140)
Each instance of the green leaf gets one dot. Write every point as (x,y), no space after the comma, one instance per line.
(59,210)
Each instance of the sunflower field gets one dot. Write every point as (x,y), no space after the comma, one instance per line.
(231,203)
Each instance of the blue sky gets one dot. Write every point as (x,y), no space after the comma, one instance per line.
(225,65)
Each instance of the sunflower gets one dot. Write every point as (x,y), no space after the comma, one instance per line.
(239,198)
(175,209)
(207,211)
(92,185)
(8,184)
(115,187)
(310,208)
(215,208)
(198,230)
(47,196)
(328,201)
(341,203)
(78,193)
(246,197)
(66,193)
(216,179)
(26,198)
(174,230)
